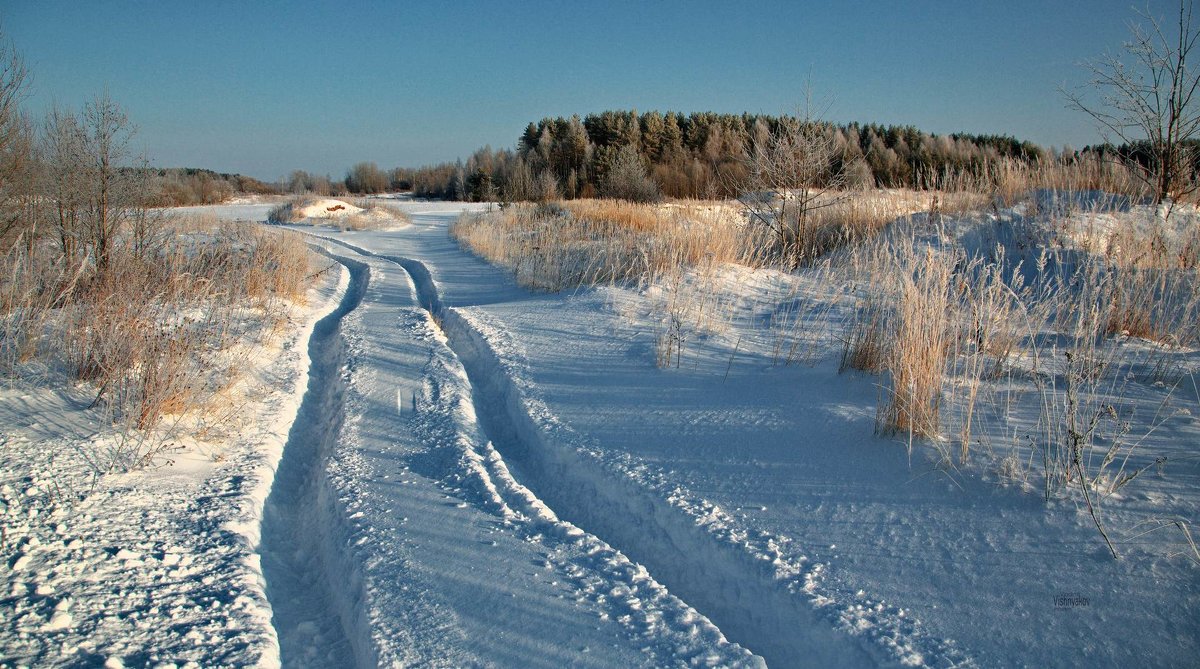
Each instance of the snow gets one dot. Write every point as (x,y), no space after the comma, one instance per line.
(327,208)
(240,211)
(480,475)
(150,567)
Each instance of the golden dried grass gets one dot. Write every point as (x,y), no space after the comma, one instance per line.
(143,330)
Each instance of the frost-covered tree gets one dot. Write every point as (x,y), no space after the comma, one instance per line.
(89,181)
(546,187)
(16,135)
(789,178)
(62,154)
(1147,103)
(626,178)
(111,198)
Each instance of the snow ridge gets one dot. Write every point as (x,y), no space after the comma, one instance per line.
(312,583)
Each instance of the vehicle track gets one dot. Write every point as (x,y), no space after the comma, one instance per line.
(313,593)
(736,591)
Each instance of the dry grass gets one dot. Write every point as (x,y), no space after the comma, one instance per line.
(621,215)
(286,212)
(997,318)
(906,329)
(585,242)
(555,247)
(145,332)
(917,358)
(1154,287)
(559,246)
(1009,182)
(809,233)
(671,251)
(865,342)
(941,325)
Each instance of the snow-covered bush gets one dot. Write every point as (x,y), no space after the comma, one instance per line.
(144,332)
(365,214)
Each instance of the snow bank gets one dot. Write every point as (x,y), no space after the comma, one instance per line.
(327,208)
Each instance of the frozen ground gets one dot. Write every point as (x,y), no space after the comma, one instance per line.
(481,476)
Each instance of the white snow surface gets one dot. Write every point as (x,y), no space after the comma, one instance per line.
(327,208)
(478,475)
(150,568)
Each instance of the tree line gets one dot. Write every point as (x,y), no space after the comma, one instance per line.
(698,155)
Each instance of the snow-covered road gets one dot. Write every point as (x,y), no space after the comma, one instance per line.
(478,475)
(731,513)
(498,578)
(638,574)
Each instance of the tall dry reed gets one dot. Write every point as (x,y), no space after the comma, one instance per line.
(144,332)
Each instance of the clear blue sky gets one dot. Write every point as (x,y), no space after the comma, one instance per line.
(263,88)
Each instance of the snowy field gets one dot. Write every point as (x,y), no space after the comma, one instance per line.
(471,474)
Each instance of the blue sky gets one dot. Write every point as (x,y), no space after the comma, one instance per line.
(262,88)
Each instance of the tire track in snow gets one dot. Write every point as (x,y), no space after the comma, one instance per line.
(732,588)
(665,630)
(725,586)
(775,586)
(313,593)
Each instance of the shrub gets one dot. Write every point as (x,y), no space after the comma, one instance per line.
(145,330)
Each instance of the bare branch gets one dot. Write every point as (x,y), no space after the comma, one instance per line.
(791,175)
(1146,100)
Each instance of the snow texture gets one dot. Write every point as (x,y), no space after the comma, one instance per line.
(151,568)
(474,475)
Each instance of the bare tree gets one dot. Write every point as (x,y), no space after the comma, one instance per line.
(1146,103)
(366,178)
(107,132)
(62,151)
(790,178)
(15,133)
(95,194)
